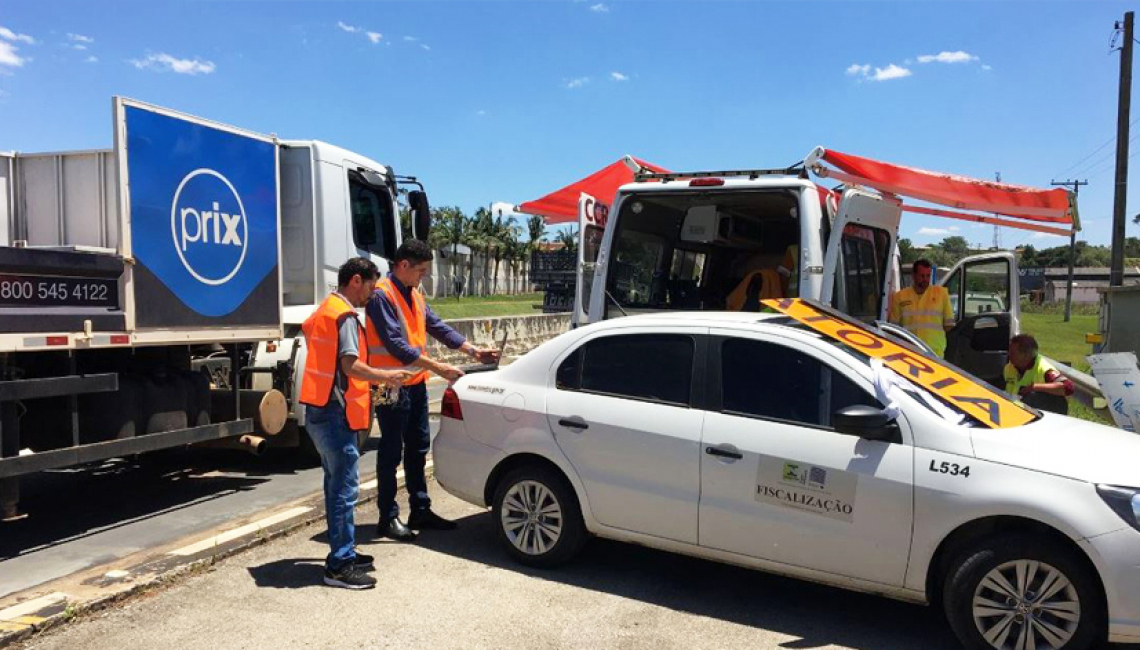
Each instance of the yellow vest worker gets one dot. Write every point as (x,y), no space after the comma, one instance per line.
(756,286)
(924,315)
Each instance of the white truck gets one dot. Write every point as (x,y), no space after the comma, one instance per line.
(151,294)
(686,241)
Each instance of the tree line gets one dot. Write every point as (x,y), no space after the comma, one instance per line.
(951,249)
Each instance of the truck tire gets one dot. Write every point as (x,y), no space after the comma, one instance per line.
(1010,590)
(537,517)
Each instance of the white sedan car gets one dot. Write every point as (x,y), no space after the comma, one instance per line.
(804,444)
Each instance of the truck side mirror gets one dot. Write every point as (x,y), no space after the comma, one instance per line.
(421,214)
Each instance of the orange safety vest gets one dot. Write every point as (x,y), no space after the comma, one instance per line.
(413,324)
(320,331)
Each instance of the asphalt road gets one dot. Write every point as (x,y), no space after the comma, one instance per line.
(90,516)
(459,590)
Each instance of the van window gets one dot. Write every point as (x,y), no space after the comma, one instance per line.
(373,224)
(693,250)
(865,255)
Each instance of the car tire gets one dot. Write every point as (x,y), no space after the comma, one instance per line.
(537,517)
(988,608)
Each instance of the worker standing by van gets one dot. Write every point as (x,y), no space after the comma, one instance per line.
(923,309)
(399,322)
(335,391)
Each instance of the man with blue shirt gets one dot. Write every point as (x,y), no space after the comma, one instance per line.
(399,322)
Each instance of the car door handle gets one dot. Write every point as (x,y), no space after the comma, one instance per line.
(574,424)
(723,453)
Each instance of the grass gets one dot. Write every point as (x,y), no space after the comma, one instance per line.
(1065,342)
(479,306)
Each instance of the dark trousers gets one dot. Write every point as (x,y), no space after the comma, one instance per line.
(404,433)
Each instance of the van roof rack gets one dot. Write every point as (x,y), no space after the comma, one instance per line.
(641,174)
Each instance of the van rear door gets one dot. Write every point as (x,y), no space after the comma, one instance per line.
(592,215)
(858,259)
(985,297)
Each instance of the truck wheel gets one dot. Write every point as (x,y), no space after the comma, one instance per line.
(1020,591)
(537,517)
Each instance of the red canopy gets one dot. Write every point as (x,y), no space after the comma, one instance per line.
(1030,208)
(561,206)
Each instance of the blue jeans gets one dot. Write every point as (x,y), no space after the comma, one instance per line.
(336,442)
(403,433)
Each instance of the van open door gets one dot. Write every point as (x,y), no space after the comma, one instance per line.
(985,297)
(592,215)
(859,254)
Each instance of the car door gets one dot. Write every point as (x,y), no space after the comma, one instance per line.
(620,409)
(778,483)
(857,264)
(985,297)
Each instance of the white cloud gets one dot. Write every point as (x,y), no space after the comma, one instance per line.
(577,83)
(1043,235)
(425,47)
(987,67)
(506,209)
(78,46)
(92,59)
(480,112)
(375,37)
(411,39)
(931,232)
(600,8)
(10,35)
(948,57)
(348,28)
(79,38)
(892,71)
(8,56)
(617,76)
(164,62)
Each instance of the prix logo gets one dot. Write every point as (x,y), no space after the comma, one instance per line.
(209,227)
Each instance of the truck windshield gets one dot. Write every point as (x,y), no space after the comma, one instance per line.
(704,250)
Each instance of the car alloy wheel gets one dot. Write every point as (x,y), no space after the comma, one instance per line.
(531,517)
(1026,604)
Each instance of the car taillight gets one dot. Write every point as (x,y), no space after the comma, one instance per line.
(450,407)
(706,182)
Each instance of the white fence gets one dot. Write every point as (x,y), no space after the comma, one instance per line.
(452,276)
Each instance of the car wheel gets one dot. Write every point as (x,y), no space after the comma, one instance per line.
(537,517)
(1023,592)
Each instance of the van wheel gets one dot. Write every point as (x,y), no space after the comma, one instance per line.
(1023,592)
(537,517)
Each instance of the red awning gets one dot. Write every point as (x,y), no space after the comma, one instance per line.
(1028,208)
(561,206)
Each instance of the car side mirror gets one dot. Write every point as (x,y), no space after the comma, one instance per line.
(865,422)
(421,214)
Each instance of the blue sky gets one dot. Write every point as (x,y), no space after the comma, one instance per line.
(505,101)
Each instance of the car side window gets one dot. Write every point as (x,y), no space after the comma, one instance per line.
(649,367)
(768,380)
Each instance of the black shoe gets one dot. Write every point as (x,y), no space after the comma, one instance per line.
(349,577)
(427,520)
(363,561)
(395,529)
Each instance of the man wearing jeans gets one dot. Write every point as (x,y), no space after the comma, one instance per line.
(399,322)
(335,390)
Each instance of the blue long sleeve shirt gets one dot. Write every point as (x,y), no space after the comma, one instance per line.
(386,319)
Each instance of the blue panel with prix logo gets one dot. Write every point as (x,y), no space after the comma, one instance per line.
(203,206)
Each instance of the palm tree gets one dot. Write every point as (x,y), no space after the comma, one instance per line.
(474,237)
(536,233)
(503,234)
(447,230)
(568,238)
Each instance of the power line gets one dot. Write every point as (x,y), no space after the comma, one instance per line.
(1094,152)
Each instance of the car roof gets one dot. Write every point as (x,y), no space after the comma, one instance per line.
(694,318)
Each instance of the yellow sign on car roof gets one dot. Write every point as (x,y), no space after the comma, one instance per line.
(987,405)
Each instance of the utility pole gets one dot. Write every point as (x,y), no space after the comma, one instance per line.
(1124,107)
(1076,185)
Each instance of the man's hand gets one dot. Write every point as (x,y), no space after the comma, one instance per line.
(1025,391)
(485,355)
(393,378)
(448,372)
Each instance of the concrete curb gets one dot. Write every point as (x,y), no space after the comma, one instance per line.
(167,571)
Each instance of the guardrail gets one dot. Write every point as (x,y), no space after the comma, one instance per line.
(1087,388)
